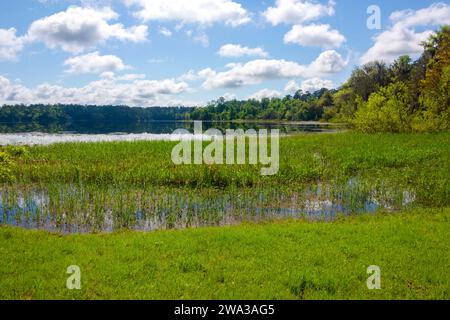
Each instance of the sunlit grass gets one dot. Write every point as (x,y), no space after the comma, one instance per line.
(286,260)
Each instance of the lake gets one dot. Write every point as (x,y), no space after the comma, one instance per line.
(153,131)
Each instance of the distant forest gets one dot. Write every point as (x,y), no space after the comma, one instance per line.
(404,96)
(80,118)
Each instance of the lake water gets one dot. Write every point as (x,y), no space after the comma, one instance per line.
(152,132)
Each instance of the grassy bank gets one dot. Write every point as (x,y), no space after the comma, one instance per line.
(288,260)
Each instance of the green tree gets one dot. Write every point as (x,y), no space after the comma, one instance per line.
(401,69)
(369,78)
(435,94)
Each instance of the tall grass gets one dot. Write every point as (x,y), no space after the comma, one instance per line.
(85,187)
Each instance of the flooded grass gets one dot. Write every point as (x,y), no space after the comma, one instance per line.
(105,187)
(77,209)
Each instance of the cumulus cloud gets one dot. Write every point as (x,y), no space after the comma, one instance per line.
(328,62)
(94,63)
(297,11)
(402,37)
(101,92)
(257,71)
(10,44)
(265,93)
(204,12)
(253,72)
(315,35)
(236,51)
(314,84)
(78,29)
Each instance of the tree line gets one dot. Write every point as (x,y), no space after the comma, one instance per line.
(404,96)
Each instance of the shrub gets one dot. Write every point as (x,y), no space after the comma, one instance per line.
(387,110)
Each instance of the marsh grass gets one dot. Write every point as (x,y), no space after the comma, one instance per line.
(94,187)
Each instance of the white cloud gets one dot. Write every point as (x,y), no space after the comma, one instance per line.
(204,12)
(257,71)
(297,11)
(265,93)
(291,87)
(314,84)
(236,51)
(10,44)
(253,72)
(165,32)
(315,35)
(402,38)
(328,62)
(94,63)
(78,29)
(105,91)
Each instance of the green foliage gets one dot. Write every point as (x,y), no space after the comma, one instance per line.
(436,114)
(369,78)
(346,103)
(388,110)
(418,99)
(79,118)
(302,107)
(435,96)
(401,69)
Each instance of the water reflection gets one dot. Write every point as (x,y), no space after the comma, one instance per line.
(71,209)
(153,131)
(166,127)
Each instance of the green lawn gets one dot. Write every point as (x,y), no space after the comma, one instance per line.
(285,260)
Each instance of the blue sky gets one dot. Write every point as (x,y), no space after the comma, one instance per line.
(155,52)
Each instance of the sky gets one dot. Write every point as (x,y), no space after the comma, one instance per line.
(189,52)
